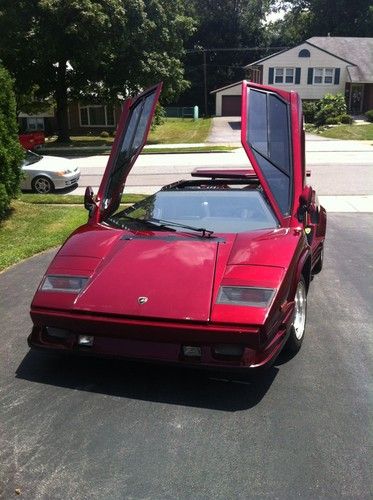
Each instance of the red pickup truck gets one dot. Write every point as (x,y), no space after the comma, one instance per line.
(32,140)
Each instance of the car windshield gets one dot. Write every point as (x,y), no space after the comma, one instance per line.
(220,211)
(31,158)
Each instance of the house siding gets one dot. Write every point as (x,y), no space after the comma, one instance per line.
(318,59)
(75,127)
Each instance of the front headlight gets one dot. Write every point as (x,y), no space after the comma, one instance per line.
(70,284)
(245,296)
(63,172)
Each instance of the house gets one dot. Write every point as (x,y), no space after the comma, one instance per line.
(44,121)
(318,66)
(82,118)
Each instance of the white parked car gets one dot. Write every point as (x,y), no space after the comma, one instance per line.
(44,174)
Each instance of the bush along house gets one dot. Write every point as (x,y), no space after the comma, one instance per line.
(318,66)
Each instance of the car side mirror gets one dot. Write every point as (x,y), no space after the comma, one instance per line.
(306,203)
(306,196)
(89,200)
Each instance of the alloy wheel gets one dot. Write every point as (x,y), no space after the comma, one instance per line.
(42,185)
(299,322)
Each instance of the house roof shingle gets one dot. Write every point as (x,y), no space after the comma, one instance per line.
(358,50)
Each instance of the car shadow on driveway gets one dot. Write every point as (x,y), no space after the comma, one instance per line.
(148,382)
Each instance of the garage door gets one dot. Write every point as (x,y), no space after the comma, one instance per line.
(231,105)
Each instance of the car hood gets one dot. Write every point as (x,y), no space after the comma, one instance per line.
(51,164)
(165,275)
(157,277)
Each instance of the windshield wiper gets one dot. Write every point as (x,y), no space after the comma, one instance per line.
(205,232)
(144,222)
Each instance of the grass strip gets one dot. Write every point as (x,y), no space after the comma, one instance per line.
(76,151)
(192,149)
(345,132)
(69,199)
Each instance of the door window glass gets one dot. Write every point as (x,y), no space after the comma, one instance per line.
(268,134)
(133,137)
(278,126)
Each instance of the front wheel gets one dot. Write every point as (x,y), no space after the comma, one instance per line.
(298,326)
(42,185)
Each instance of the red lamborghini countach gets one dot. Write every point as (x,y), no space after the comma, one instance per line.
(212,271)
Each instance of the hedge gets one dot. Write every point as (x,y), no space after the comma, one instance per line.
(11,152)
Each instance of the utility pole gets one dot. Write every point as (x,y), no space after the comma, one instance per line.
(219,49)
(205,80)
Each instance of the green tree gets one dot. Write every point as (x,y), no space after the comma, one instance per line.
(91,48)
(10,150)
(223,24)
(151,48)
(307,18)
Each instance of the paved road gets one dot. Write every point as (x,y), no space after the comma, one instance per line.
(351,182)
(337,169)
(84,429)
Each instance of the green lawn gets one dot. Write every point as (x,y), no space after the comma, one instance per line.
(30,229)
(172,131)
(181,131)
(38,222)
(349,132)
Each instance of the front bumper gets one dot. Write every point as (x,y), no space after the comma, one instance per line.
(66,180)
(159,341)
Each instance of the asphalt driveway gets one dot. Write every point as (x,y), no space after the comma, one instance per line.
(85,428)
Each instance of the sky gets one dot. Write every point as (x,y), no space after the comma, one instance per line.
(275,16)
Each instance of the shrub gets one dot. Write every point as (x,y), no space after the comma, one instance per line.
(309,111)
(345,119)
(159,116)
(11,152)
(330,106)
(369,115)
(332,120)
(104,134)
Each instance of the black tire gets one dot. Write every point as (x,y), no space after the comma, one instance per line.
(42,185)
(298,326)
(319,264)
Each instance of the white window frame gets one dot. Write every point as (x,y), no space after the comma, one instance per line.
(323,76)
(283,69)
(95,106)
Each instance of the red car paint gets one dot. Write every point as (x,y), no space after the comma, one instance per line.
(178,274)
(31,140)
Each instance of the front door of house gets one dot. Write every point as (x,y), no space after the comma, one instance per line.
(356,98)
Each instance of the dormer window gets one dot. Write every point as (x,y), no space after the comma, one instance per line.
(304,53)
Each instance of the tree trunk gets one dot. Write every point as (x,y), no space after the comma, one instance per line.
(61,100)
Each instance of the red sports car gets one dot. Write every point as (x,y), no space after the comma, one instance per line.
(212,271)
